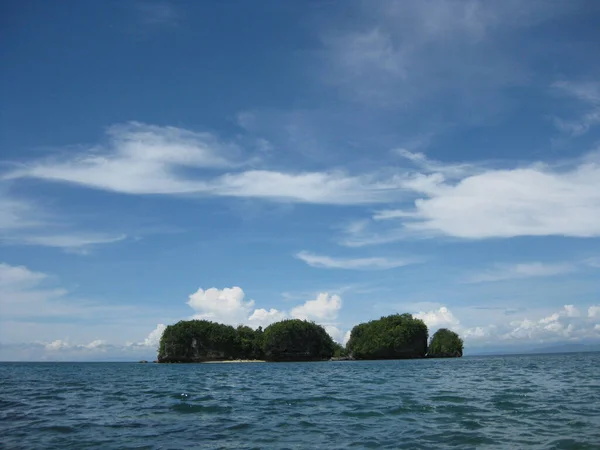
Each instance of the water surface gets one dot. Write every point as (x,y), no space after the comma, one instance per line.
(539,401)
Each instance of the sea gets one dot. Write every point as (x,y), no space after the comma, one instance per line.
(504,402)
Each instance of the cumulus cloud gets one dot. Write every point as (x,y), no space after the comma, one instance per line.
(221,305)
(324,308)
(566,324)
(435,319)
(594,311)
(347,336)
(521,270)
(154,337)
(264,318)
(373,263)
(228,306)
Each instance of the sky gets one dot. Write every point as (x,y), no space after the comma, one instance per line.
(246,162)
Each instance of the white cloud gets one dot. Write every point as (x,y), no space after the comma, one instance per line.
(145,159)
(57,345)
(18,276)
(139,159)
(571,311)
(530,327)
(566,324)
(221,305)
(26,296)
(588,94)
(444,171)
(16,214)
(533,201)
(374,263)
(442,317)
(335,187)
(154,337)
(335,333)
(521,270)
(594,311)
(25,223)
(347,336)
(324,308)
(228,306)
(75,243)
(264,318)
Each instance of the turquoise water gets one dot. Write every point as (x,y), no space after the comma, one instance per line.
(543,401)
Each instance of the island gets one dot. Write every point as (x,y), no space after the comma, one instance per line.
(445,344)
(398,336)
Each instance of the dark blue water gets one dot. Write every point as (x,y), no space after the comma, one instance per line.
(545,401)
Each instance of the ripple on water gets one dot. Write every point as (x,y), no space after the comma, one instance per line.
(548,401)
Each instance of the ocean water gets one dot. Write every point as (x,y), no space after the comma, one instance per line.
(512,402)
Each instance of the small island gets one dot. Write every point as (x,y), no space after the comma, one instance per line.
(445,344)
(398,336)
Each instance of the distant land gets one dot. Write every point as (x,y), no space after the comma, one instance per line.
(551,348)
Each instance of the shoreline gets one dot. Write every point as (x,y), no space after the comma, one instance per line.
(231,361)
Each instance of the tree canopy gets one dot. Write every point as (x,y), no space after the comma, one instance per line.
(444,344)
(392,337)
(202,340)
(297,340)
(398,336)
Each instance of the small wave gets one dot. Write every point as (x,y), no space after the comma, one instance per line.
(190,408)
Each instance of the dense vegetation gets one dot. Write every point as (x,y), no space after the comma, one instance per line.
(297,340)
(445,344)
(397,336)
(201,340)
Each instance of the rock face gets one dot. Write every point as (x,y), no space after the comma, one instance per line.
(445,344)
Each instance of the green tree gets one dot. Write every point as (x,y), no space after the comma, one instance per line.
(397,336)
(296,340)
(445,344)
(197,341)
(249,342)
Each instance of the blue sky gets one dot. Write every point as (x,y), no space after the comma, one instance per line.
(334,161)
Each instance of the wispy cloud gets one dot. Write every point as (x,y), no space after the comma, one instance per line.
(23,222)
(502,272)
(143,159)
(76,243)
(25,293)
(373,263)
(524,201)
(398,51)
(588,94)
(157,13)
